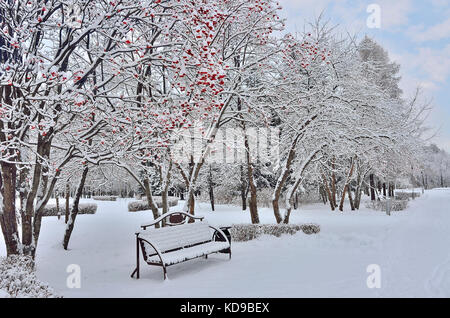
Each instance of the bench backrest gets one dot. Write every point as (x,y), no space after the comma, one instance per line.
(173,237)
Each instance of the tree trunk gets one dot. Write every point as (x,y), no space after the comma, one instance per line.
(333,186)
(358,190)
(282,180)
(346,186)
(44,191)
(392,189)
(165,191)
(191,183)
(384,189)
(74,212)
(298,180)
(244,187)
(287,170)
(67,212)
(57,205)
(323,194)
(150,201)
(358,195)
(290,198)
(253,204)
(192,203)
(23,194)
(372,187)
(165,205)
(8,219)
(8,175)
(350,200)
(327,189)
(211,188)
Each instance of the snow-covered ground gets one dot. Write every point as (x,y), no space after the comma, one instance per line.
(411,247)
(3,294)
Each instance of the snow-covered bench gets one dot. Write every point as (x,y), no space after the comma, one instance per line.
(171,245)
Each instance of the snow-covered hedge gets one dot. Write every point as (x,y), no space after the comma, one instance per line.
(18,279)
(136,206)
(406,195)
(246,232)
(396,205)
(83,208)
(310,228)
(105,198)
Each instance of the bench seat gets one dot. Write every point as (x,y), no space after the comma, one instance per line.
(185,254)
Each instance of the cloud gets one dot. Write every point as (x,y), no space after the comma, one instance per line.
(442,142)
(439,3)
(351,15)
(434,33)
(395,13)
(435,63)
(305,5)
(298,12)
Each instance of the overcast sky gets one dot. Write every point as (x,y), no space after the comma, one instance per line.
(416,34)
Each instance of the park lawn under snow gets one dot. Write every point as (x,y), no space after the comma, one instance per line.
(411,248)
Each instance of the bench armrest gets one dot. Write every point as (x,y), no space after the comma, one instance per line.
(158,252)
(221,232)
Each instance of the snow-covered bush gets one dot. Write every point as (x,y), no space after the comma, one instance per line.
(136,206)
(87,208)
(247,232)
(310,228)
(83,208)
(18,279)
(406,195)
(105,198)
(396,205)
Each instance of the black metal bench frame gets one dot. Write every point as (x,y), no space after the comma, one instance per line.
(218,235)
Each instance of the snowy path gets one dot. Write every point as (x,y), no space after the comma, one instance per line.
(419,249)
(411,248)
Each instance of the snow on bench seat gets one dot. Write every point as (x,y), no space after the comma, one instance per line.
(172,237)
(192,252)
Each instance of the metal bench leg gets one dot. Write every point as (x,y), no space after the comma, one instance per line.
(136,270)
